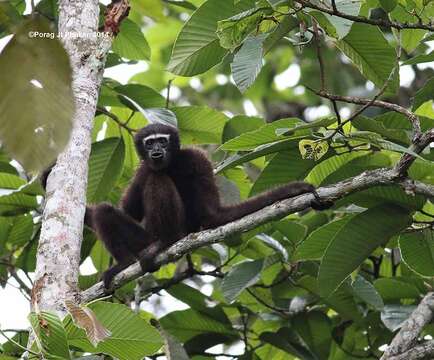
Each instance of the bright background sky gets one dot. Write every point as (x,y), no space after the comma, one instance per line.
(14,308)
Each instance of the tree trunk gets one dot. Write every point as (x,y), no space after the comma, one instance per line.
(58,255)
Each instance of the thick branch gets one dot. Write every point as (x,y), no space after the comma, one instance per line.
(363,19)
(402,344)
(422,351)
(273,212)
(421,143)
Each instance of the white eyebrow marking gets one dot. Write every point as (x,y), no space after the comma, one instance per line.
(157,136)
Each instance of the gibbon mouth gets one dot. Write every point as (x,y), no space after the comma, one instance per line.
(157,156)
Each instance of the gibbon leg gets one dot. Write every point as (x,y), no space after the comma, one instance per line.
(123,237)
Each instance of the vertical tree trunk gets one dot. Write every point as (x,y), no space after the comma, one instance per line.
(58,255)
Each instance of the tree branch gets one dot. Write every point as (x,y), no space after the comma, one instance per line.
(269,213)
(402,346)
(363,19)
(414,120)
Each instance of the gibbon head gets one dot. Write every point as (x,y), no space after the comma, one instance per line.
(157,144)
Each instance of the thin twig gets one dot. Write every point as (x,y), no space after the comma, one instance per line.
(319,53)
(169,85)
(363,19)
(19,345)
(116,119)
(271,307)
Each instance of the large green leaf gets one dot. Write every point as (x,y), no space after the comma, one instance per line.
(373,125)
(334,25)
(247,62)
(36,100)
(267,149)
(197,47)
(367,48)
(130,43)
(21,231)
(131,338)
(315,329)
(200,124)
(392,290)
(264,135)
(240,277)
(286,166)
(143,95)
(417,249)
(426,93)
(365,291)
(327,167)
(240,124)
(355,241)
(233,31)
(50,334)
(189,323)
(313,247)
(105,166)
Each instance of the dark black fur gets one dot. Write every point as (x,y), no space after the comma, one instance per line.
(169,198)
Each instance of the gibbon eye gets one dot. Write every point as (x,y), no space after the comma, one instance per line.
(149,143)
(163,141)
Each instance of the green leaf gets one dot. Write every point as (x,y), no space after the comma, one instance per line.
(286,166)
(335,26)
(9,16)
(248,62)
(264,135)
(240,124)
(36,100)
(21,231)
(426,93)
(418,59)
(105,166)
(100,256)
(233,31)
(173,349)
(240,277)
(285,26)
(392,290)
(313,247)
(417,249)
(328,166)
(143,95)
(51,335)
(189,323)
(130,43)
(292,230)
(410,38)
(315,329)
(388,5)
(365,291)
(200,124)
(197,47)
(320,123)
(394,315)
(132,337)
(355,241)
(377,126)
(370,52)
(263,150)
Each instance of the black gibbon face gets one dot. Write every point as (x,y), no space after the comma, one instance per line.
(156,148)
(157,145)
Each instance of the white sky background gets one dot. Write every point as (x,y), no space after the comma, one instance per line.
(14,308)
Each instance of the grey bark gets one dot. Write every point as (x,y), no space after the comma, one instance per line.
(58,255)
